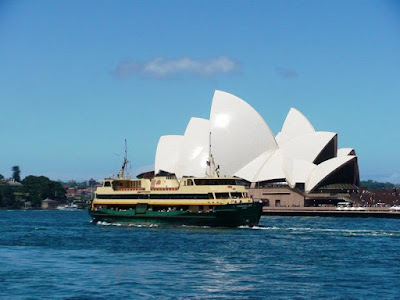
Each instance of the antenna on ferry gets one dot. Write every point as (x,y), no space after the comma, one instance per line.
(126,150)
(208,169)
(125,162)
(128,163)
(212,169)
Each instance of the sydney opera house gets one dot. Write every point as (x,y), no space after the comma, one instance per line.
(298,167)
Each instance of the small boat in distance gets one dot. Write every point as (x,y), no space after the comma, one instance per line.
(68,207)
(199,201)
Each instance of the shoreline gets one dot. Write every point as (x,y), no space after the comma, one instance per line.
(350,212)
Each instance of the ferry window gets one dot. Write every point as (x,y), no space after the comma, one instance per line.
(107,183)
(200,181)
(242,182)
(222,195)
(215,182)
(277,203)
(129,196)
(179,196)
(136,184)
(236,195)
(210,196)
(189,182)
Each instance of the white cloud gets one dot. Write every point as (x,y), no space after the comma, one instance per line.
(163,68)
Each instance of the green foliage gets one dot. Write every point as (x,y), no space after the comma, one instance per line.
(375,185)
(8,199)
(16,173)
(41,187)
(33,188)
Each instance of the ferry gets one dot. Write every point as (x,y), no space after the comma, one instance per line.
(199,201)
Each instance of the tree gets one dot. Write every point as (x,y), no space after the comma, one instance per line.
(9,197)
(16,173)
(41,187)
(376,185)
(1,178)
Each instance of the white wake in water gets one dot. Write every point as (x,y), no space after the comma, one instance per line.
(348,232)
(103,223)
(260,228)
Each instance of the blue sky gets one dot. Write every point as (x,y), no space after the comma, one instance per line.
(78,77)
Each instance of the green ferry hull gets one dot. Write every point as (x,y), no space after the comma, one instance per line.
(231,215)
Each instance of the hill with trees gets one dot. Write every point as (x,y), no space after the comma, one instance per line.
(15,193)
(375,185)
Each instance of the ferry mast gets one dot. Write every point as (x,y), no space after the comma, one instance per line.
(121,174)
(212,169)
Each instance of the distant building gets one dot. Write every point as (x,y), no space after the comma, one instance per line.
(49,204)
(13,183)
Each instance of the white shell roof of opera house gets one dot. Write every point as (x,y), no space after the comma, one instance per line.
(243,145)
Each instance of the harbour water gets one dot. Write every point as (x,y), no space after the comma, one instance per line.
(60,254)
